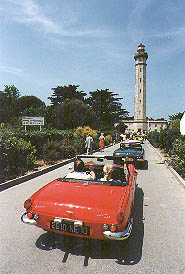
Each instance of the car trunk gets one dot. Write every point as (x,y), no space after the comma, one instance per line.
(77,201)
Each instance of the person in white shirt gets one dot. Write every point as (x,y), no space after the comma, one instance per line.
(89,142)
(78,172)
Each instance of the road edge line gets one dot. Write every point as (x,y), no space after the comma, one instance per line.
(33,175)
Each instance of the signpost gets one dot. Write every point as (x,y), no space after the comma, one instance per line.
(32,121)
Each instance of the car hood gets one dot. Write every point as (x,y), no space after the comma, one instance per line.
(128,152)
(78,201)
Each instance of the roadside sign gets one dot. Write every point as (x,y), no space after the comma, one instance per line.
(32,121)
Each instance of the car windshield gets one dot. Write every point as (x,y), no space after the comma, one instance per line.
(135,147)
(95,182)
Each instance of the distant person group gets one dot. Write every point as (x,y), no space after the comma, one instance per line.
(89,142)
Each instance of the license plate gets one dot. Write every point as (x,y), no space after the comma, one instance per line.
(70,227)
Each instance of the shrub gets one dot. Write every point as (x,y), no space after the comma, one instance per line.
(80,135)
(174,144)
(84,132)
(163,139)
(108,140)
(179,147)
(178,164)
(51,152)
(153,137)
(38,138)
(67,148)
(177,159)
(17,157)
(79,145)
(54,151)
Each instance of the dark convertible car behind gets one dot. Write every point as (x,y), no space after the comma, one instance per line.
(131,150)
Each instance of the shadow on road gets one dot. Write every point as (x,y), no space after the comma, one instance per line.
(126,252)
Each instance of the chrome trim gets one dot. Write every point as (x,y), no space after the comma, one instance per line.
(26,220)
(76,222)
(58,219)
(70,212)
(140,160)
(123,235)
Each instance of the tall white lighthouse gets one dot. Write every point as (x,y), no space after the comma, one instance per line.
(140,120)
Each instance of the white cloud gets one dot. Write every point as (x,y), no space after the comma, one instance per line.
(175,33)
(165,42)
(136,33)
(11,70)
(29,12)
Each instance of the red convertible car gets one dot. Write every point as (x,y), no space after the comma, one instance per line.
(94,209)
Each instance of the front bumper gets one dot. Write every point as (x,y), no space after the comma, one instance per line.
(123,235)
(26,220)
(119,235)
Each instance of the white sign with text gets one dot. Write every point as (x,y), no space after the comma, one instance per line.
(32,121)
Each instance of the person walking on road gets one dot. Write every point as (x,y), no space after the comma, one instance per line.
(89,142)
(102,141)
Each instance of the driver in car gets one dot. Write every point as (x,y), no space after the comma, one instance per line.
(79,173)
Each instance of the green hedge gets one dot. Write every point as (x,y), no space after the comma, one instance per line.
(174,144)
(177,159)
(16,157)
(38,138)
(153,138)
(19,149)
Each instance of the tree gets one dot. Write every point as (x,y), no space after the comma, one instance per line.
(63,93)
(4,113)
(174,124)
(10,97)
(73,113)
(12,92)
(176,116)
(31,106)
(173,131)
(50,117)
(167,136)
(121,127)
(107,107)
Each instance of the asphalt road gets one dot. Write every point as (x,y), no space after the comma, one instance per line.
(157,244)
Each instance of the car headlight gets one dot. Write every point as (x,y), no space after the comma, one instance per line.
(105,226)
(30,215)
(28,204)
(113,228)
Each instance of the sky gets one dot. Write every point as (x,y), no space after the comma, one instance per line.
(91,43)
